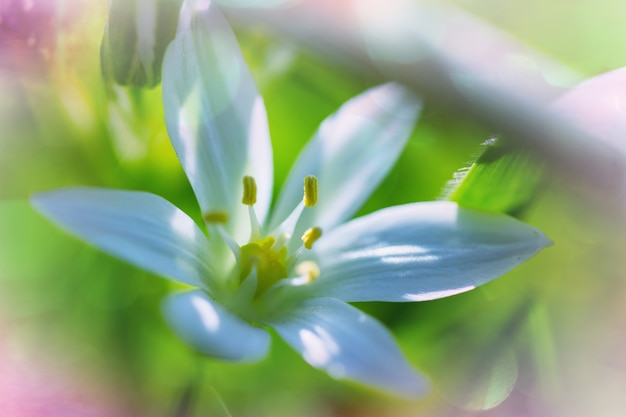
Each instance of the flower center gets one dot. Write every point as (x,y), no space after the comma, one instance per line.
(269,261)
(265,260)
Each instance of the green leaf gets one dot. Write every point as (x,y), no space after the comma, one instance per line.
(504,179)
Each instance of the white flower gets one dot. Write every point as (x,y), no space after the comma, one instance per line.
(296,268)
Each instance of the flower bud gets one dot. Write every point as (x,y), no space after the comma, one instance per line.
(135,39)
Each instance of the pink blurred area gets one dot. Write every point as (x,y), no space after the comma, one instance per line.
(34,32)
(32,385)
(598,106)
(27,39)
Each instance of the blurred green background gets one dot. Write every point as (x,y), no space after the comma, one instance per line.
(547,339)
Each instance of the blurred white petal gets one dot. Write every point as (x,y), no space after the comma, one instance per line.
(350,154)
(598,106)
(348,344)
(213,330)
(215,117)
(140,228)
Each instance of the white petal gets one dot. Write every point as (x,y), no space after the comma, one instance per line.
(421,251)
(215,117)
(348,344)
(211,329)
(598,106)
(140,228)
(350,154)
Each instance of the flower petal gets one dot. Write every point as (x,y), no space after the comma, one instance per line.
(348,344)
(598,106)
(420,252)
(215,117)
(350,154)
(140,228)
(213,330)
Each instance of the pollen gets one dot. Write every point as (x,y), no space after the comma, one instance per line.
(310,191)
(308,269)
(249,191)
(310,236)
(215,217)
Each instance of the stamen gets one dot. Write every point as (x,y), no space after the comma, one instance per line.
(249,191)
(219,217)
(230,242)
(249,199)
(255,226)
(308,270)
(310,236)
(310,191)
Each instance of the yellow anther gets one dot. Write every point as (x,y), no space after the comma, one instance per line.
(310,191)
(215,217)
(308,269)
(310,236)
(249,191)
